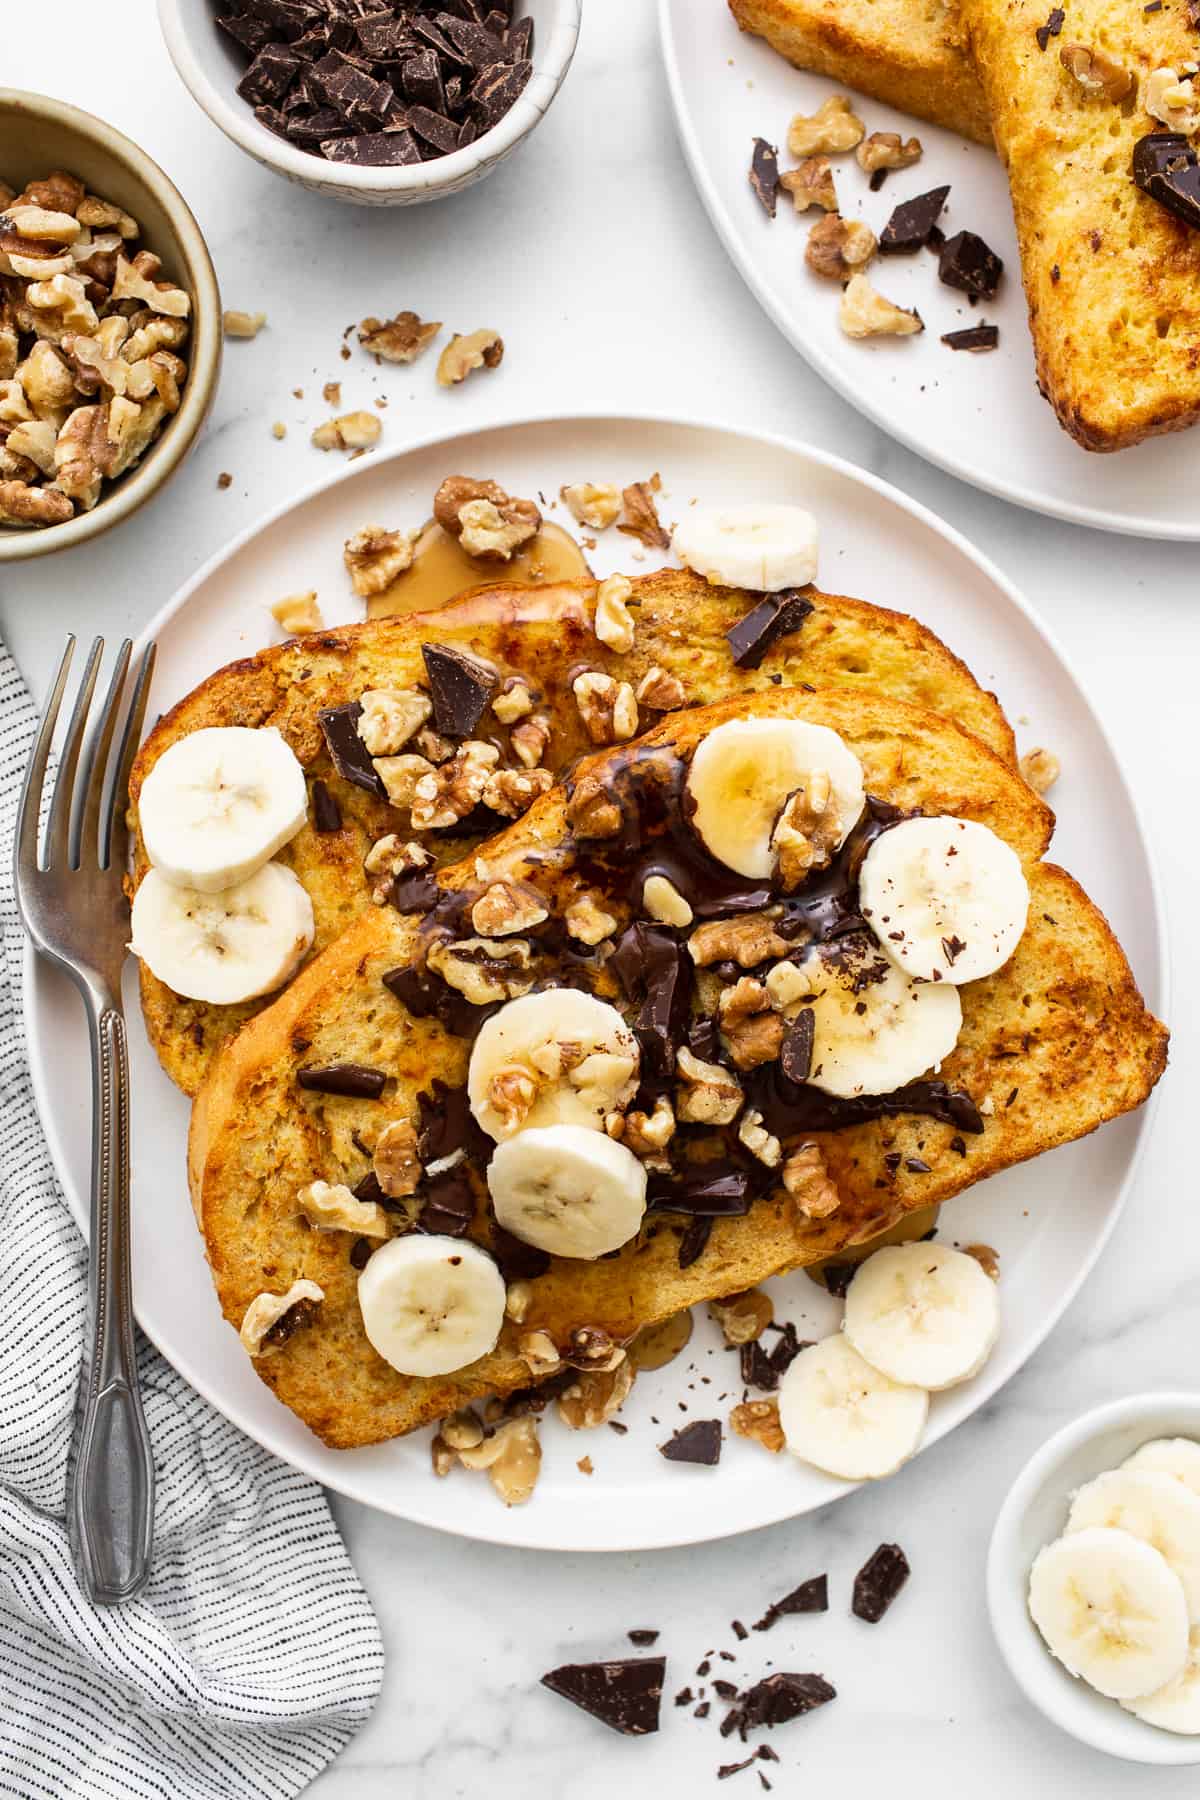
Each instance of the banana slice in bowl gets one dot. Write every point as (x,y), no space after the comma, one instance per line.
(1111,1611)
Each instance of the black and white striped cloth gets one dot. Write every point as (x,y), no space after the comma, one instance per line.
(253,1655)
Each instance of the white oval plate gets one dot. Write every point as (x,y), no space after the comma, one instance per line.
(980,417)
(1049,1219)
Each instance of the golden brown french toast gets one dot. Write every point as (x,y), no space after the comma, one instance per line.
(544,636)
(1052,1045)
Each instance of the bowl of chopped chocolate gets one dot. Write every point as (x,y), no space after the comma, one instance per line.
(379,102)
(110,326)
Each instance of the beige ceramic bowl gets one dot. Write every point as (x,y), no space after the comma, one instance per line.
(38,134)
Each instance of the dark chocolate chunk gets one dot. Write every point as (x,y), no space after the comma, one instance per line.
(517,1261)
(446,1124)
(519,41)
(699,1442)
(714,1190)
(496,89)
(878,1582)
(298,1317)
(756,1367)
(348,753)
(916,1165)
(725,1690)
(421,80)
(958,1145)
(740,1633)
(373,149)
(975,337)
(475,43)
(360,1252)
(435,128)
(654,971)
(353,1079)
(908,229)
(694,1241)
(764,175)
(250,34)
(837,1277)
(351,91)
(416,893)
(797,1049)
(448,1204)
(308,129)
(269,76)
(623,1695)
(460,688)
(966,263)
(1165,167)
(789,1109)
(642,1637)
(779,1698)
(1051,28)
(788,1348)
(327,814)
(810,1597)
(774,617)
(468,131)
(878,177)
(381,36)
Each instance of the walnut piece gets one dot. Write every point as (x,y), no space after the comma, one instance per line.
(659,691)
(641,518)
(395,1161)
(389,718)
(136,281)
(663,901)
(834,127)
(511,792)
(476,350)
(743,1317)
(807,831)
(462,1430)
(540,1352)
(488,522)
(332,1207)
(761,1143)
(352,431)
(398,340)
(646,1134)
(837,246)
(507,908)
(24,505)
(1172,100)
(747,940)
(594,504)
(811,185)
(708,1094)
(513,702)
(753,1040)
(612,620)
(400,775)
(864,312)
(592,812)
(270,1319)
(789,983)
(608,708)
(242,324)
(297,613)
(34,440)
(1096,74)
(529,741)
(1041,768)
(374,557)
(518,1299)
(586,920)
(448,793)
(595,1396)
(512,1457)
(808,1181)
(887,150)
(759,1419)
(484,970)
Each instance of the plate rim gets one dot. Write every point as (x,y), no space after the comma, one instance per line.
(1158,983)
(1028,499)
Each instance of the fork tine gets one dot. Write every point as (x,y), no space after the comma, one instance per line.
(58,830)
(112,830)
(25,857)
(85,844)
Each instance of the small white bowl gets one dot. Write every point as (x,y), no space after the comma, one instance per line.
(211,69)
(1033,1514)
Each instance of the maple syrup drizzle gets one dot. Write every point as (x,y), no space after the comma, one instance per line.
(441,570)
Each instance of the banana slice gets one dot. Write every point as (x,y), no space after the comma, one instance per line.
(946,898)
(568,1190)
(759,545)
(874,1029)
(431,1305)
(560,1057)
(1158,1509)
(1169,1456)
(219,803)
(1111,1610)
(843,1416)
(1175,1707)
(223,947)
(742,774)
(923,1314)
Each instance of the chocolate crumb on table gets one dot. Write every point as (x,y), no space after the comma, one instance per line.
(879,1581)
(810,1597)
(624,1695)
(642,1636)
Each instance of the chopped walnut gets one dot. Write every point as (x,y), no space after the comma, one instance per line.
(511,792)
(592,812)
(591,1348)
(448,793)
(613,621)
(747,939)
(270,1319)
(540,1352)
(462,1430)
(14,406)
(374,558)
(512,1457)
(34,440)
(135,281)
(47,383)
(887,150)
(242,324)
(388,858)
(607,708)
(760,1142)
(708,1095)
(811,185)
(659,691)
(587,921)
(663,901)
(352,431)
(834,127)
(759,1419)
(789,983)
(646,1134)
(746,997)
(595,504)
(84,452)
(864,312)
(754,1040)
(595,1397)
(511,1092)
(1096,74)
(400,776)
(398,340)
(477,350)
(1172,100)
(506,908)
(1041,768)
(837,246)
(743,1317)
(332,1207)
(433,746)
(101,214)
(485,970)
(297,613)
(148,332)
(808,830)
(513,702)
(518,1299)
(529,741)
(389,718)
(487,521)
(24,505)
(59,307)
(807,1180)
(640,518)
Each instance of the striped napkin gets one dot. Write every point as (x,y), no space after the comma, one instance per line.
(253,1655)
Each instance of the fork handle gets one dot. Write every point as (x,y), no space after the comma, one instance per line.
(110,1495)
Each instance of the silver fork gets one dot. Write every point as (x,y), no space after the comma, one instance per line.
(73,906)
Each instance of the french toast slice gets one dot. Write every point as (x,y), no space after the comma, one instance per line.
(545,635)
(1111,277)
(1053,1045)
(911,54)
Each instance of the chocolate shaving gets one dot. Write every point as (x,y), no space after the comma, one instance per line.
(1051,28)
(974,337)
(460,687)
(797,1050)
(327,814)
(354,1080)
(764,175)
(774,617)
(694,1241)
(810,1597)
(699,1442)
(626,1696)
(878,1582)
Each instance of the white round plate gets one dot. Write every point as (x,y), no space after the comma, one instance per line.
(1048,1219)
(979,416)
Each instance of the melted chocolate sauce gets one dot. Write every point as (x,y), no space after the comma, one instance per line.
(788,1108)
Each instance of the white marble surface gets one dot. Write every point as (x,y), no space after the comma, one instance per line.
(591,253)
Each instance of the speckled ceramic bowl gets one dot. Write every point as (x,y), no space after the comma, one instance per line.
(38,134)
(211,69)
